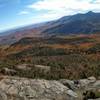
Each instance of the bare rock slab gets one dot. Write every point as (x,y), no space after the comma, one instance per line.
(13,88)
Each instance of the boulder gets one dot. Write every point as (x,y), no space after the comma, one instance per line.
(7,71)
(42,68)
(97,84)
(15,88)
(92,79)
(68,83)
(86,82)
(24,66)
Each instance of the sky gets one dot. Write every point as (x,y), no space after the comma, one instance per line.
(15,13)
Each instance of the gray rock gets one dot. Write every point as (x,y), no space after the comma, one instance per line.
(8,71)
(87,82)
(3,96)
(92,79)
(24,66)
(27,89)
(68,83)
(71,93)
(42,68)
(97,84)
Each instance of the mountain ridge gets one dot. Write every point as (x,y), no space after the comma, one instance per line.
(88,23)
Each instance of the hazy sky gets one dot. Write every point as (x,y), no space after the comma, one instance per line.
(14,13)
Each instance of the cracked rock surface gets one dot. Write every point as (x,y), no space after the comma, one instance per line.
(14,88)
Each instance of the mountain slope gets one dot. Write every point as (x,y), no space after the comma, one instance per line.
(76,24)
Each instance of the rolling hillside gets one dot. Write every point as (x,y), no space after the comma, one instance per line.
(72,57)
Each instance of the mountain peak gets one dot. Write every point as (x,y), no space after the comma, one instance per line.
(90,12)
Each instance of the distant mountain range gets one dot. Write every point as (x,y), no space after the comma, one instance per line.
(88,23)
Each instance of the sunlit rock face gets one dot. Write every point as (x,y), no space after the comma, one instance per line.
(13,88)
(16,88)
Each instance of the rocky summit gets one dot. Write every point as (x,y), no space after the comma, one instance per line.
(15,88)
